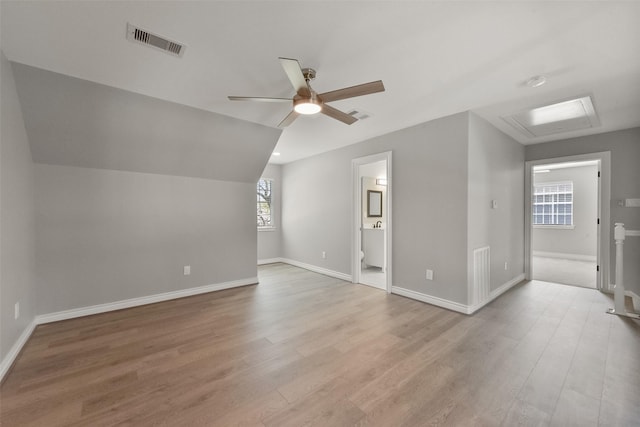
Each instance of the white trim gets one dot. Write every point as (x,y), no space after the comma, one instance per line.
(604,212)
(496,293)
(267,228)
(8,360)
(635,299)
(356,212)
(560,255)
(316,269)
(456,306)
(555,227)
(134,302)
(440,302)
(269,261)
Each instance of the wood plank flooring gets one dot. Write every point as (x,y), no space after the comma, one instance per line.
(303,349)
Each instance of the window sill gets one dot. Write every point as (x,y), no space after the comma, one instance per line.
(267,228)
(555,227)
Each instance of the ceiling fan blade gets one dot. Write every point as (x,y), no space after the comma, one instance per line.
(294,72)
(337,114)
(289,119)
(353,91)
(258,98)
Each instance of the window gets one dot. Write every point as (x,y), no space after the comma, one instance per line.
(553,204)
(264,203)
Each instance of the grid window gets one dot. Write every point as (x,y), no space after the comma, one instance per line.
(264,203)
(553,203)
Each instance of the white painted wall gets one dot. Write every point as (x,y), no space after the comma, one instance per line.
(496,172)
(17,217)
(105,236)
(270,241)
(624,146)
(582,240)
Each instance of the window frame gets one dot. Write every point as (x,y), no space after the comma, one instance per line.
(271,226)
(553,204)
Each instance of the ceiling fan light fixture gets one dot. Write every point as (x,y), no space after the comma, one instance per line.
(307,106)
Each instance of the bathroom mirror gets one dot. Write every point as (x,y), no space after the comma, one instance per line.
(374,203)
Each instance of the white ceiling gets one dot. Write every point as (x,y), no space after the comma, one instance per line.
(435,58)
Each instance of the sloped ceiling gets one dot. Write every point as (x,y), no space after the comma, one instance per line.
(75,122)
(436,58)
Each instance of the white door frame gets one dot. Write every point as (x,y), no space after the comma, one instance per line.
(604,209)
(356,197)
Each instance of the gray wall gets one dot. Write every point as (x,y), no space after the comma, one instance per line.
(270,241)
(104,236)
(17,217)
(625,183)
(74,122)
(582,239)
(429,206)
(496,172)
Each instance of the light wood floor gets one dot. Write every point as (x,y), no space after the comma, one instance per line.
(306,349)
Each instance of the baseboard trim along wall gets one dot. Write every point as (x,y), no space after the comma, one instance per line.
(269,261)
(316,269)
(113,306)
(8,360)
(560,255)
(440,302)
(456,306)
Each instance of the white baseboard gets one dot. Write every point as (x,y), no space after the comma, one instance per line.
(560,255)
(269,261)
(496,293)
(134,302)
(440,302)
(316,269)
(635,298)
(456,306)
(8,360)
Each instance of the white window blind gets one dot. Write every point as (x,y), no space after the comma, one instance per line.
(553,203)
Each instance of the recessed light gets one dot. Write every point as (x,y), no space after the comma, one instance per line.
(275,154)
(536,81)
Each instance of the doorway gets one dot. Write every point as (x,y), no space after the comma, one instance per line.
(371,242)
(567,237)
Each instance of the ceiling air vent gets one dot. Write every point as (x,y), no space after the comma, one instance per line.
(566,116)
(358,114)
(139,35)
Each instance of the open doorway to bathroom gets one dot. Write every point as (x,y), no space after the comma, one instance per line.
(372,221)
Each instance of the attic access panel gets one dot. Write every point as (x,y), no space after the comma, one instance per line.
(566,116)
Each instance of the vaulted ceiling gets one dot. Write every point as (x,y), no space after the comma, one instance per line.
(435,58)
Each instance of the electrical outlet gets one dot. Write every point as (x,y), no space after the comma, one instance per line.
(324,255)
(429,274)
(16,310)
(506,265)
(187,270)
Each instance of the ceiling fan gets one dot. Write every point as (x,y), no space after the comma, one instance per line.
(307,101)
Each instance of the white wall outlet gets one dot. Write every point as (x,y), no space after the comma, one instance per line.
(429,274)
(324,255)
(494,204)
(16,310)
(506,265)
(187,270)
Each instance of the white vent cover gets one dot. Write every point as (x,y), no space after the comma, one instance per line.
(138,35)
(566,116)
(359,114)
